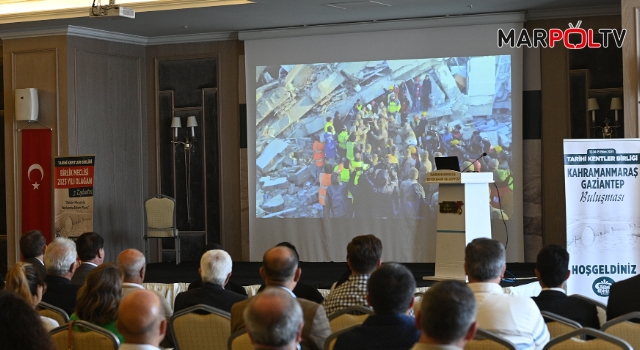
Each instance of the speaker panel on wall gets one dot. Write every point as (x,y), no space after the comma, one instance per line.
(27,104)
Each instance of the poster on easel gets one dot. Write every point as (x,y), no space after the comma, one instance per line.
(73,192)
(602,192)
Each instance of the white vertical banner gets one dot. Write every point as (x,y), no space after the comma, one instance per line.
(602,192)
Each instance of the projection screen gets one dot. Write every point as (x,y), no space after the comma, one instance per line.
(373,104)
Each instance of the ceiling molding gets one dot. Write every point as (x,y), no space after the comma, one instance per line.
(99,34)
(572,12)
(375,26)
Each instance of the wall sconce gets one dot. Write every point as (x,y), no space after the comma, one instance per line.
(616,105)
(607,130)
(592,106)
(189,147)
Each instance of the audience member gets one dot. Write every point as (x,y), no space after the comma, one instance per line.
(20,326)
(363,257)
(99,298)
(24,280)
(274,320)
(134,267)
(301,290)
(515,318)
(280,269)
(141,321)
(90,248)
(552,270)
(620,300)
(32,246)
(60,262)
(215,271)
(447,317)
(391,288)
(232,286)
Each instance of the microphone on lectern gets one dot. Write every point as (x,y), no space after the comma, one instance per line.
(482,155)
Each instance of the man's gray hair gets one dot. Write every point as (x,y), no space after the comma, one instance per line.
(485,258)
(131,267)
(215,266)
(273,317)
(447,311)
(59,256)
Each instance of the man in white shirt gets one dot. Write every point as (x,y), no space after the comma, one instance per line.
(515,318)
(447,317)
(90,248)
(141,321)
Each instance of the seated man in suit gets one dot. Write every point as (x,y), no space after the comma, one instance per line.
(141,321)
(516,318)
(447,317)
(280,269)
(391,288)
(552,270)
(90,248)
(232,286)
(215,271)
(133,265)
(363,257)
(274,320)
(32,245)
(60,262)
(623,298)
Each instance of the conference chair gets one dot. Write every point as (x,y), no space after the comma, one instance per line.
(621,327)
(485,340)
(54,312)
(330,342)
(602,308)
(160,213)
(351,316)
(92,337)
(239,341)
(558,325)
(200,327)
(601,341)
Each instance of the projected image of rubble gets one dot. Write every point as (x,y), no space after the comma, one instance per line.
(356,139)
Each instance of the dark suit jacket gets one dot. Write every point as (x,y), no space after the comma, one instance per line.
(623,297)
(209,294)
(304,291)
(231,286)
(60,293)
(572,308)
(393,332)
(81,274)
(316,327)
(39,265)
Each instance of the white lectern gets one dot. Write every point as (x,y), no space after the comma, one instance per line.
(463,215)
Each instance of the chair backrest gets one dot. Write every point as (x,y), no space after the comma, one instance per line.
(91,338)
(558,325)
(351,316)
(486,340)
(602,341)
(239,341)
(200,327)
(330,342)
(54,312)
(622,328)
(602,308)
(160,212)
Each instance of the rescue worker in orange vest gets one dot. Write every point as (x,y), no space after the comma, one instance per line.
(325,182)
(318,154)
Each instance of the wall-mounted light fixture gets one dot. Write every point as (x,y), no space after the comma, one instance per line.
(189,147)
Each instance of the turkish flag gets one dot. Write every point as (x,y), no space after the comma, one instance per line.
(36,181)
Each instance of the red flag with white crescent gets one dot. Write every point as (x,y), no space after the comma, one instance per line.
(36,181)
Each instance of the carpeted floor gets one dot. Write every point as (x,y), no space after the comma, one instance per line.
(319,274)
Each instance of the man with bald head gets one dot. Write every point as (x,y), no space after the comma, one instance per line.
(274,320)
(141,321)
(280,269)
(134,266)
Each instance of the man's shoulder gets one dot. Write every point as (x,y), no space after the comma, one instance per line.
(628,283)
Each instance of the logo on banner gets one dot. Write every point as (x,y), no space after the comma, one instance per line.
(35,184)
(602,285)
(571,38)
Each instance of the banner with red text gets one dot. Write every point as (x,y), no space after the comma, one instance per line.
(73,181)
(36,181)
(603,221)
